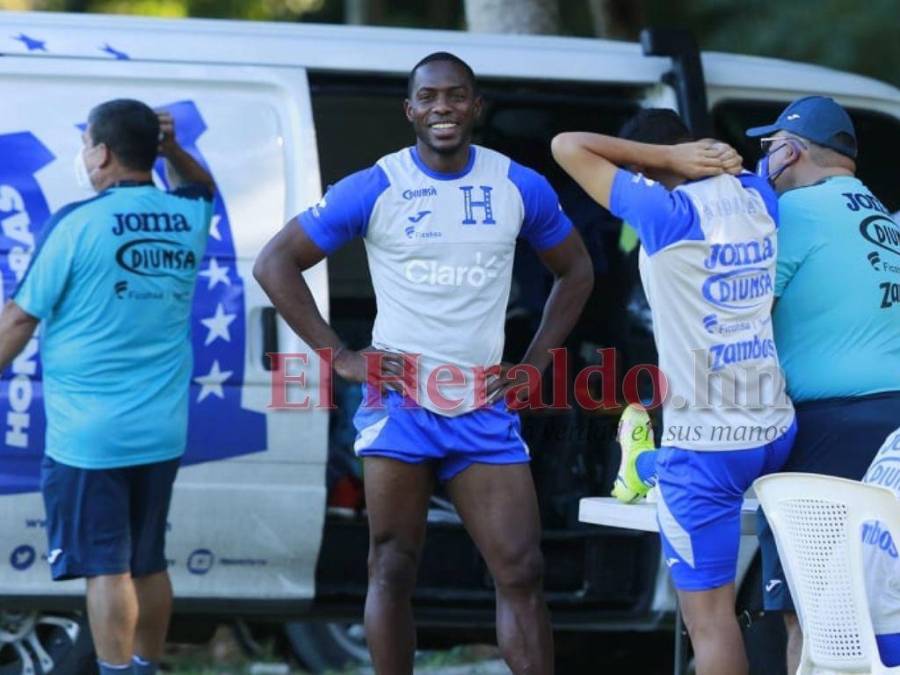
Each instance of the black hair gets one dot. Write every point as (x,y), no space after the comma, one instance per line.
(660,126)
(129,128)
(442,56)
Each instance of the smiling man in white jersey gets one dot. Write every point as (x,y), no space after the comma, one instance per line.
(440,222)
(707,264)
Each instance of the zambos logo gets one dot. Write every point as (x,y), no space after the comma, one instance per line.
(881,231)
(156,258)
(739,289)
(722,355)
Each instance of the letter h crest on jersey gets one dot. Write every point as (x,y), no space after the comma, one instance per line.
(484,204)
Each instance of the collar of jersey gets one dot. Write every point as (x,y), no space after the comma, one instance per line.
(443,176)
(130,183)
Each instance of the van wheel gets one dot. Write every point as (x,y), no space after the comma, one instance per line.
(327,646)
(39,643)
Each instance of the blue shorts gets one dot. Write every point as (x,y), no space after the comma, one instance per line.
(889,649)
(699,509)
(106,521)
(837,437)
(402,430)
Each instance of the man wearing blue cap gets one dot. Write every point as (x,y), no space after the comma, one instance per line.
(835,317)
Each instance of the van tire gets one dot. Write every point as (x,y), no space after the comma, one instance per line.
(64,637)
(322,647)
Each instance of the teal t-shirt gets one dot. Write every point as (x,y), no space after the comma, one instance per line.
(112,280)
(837,318)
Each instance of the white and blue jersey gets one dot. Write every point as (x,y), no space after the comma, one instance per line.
(112,280)
(708,267)
(881,557)
(440,249)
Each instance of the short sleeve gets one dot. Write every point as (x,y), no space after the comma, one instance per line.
(661,217)
(48,274)
(544,224)
(202,196)
(193,191)
(343,213)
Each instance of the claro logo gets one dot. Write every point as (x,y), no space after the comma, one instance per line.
(432,273)
(155,257)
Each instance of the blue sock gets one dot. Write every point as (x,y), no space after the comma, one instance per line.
(142,667)
(645,465)
(108,669)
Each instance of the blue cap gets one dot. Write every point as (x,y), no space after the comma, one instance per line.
(817,118)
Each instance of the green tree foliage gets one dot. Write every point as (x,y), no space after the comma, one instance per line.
(843,34)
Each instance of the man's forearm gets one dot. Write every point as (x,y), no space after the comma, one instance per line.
(561,312)
(622,152)
(16,329)
(183,169)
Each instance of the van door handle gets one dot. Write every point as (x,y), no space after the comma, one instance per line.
(269,319)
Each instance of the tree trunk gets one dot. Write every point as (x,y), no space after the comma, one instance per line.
(513,16)
(617,18)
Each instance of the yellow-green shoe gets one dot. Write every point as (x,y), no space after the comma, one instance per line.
(635,436)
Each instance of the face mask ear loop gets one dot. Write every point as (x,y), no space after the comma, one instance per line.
(797,148)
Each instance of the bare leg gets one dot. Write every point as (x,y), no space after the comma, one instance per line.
(499,508)
(154,594)
(794,641)
(715,634)
(113,613)
(397,497)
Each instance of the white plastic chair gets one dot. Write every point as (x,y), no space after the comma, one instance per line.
(817,522)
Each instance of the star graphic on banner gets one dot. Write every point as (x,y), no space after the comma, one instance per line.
(211,383)
(214,228)
(120,56)
(31,43)
(218,325)
(216,274)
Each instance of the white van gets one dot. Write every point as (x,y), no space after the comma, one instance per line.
(278,112)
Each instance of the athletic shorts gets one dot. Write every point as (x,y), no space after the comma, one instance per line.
(889,649)
(836,437)
(402,430)
(699,509)
(106,521)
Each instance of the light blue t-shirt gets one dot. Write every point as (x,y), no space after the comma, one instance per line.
(112,280)
(837,319)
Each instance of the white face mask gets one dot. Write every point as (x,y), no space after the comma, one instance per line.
(82,176)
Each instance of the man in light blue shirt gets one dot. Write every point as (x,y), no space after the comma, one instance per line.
(836,321)
(112,282)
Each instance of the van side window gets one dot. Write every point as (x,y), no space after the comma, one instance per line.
(878,135)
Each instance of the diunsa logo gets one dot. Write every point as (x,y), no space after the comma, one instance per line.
(432,273)
(429,191)
(155,257)
(881,231)
(739,289)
